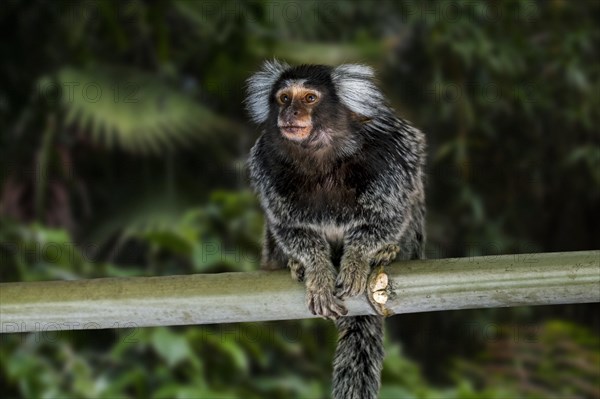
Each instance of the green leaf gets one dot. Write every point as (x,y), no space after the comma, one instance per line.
(236,353)
(171,347)
(207,253)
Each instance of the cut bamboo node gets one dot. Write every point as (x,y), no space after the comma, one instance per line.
(380,282)
(380,297)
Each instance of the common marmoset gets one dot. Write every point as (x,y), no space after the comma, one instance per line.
(340,180)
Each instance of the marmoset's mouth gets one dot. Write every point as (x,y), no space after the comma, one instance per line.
(295,132)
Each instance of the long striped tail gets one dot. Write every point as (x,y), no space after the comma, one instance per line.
(358,357)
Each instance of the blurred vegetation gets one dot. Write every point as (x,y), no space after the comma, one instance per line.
(122,145)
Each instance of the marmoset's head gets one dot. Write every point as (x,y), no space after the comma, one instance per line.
(313,104)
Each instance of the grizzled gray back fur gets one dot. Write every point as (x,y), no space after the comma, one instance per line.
(335,210)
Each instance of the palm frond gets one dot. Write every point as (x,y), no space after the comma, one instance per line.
(132,110)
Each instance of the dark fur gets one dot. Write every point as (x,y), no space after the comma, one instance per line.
(334,207)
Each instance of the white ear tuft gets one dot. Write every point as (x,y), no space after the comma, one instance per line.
(258,88)
(357,90)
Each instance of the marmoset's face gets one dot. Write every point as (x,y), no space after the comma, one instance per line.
(297,104)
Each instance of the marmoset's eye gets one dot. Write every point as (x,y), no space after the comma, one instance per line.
(284,98)
(310,98)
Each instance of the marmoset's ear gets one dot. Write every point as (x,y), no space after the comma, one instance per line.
(258,88)
(355,85)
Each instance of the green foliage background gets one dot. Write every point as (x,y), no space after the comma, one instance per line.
(123,139)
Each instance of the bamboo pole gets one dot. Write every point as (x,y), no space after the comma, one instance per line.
(406,287)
